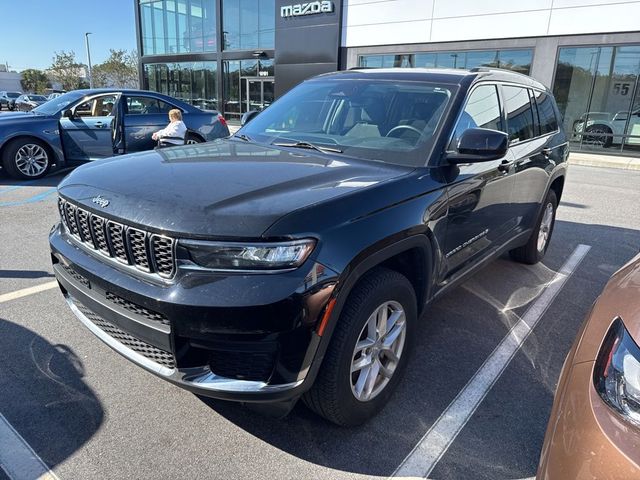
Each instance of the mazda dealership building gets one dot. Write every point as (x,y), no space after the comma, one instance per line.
(239,55)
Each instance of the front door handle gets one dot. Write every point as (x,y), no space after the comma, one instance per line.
(99,125)
(505,165)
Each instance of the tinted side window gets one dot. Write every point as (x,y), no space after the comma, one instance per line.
(546,113)
(146,105)
(481,111)
(519,113)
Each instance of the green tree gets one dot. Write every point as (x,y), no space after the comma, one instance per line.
(34,81)
(66,70)
(119,70)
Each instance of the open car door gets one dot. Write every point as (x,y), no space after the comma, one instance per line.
(117,129)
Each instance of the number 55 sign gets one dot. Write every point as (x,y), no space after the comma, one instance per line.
(621,88)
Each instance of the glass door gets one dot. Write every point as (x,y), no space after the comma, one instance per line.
(259,93)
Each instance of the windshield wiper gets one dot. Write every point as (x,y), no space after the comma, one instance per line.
(242,136)
(307,145)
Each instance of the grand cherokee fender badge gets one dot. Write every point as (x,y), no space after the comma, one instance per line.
(100,200)
(467,243)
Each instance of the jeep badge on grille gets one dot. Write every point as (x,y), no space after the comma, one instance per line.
(100,200)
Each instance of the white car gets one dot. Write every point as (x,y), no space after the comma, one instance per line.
(602,130)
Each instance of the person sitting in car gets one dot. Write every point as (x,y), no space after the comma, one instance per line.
(174,133)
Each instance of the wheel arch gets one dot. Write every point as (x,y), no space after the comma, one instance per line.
(55,153)
(402,256)
(395,256)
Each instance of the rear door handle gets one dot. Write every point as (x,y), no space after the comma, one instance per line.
(505,165)
(547,151)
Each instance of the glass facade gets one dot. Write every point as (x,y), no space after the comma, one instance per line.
(248,85)
(518,60)
(248,24)
(177,26)
(192,82)
(597,92)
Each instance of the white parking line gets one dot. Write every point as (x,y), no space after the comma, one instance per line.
(433,445)
(18,459)
(27,291)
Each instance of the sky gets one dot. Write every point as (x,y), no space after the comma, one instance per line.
(41,27)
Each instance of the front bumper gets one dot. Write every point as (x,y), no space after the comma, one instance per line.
(190,329)
(585,438)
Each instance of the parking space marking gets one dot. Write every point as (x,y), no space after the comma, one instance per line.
(36,198)
(434,444)
(5,297)
(18,459)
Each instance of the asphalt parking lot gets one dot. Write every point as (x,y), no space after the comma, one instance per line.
(88,413)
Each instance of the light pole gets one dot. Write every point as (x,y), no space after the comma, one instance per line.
(86,39)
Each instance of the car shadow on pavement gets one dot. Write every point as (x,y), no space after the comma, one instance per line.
(43,394)
(24,274)
(458,332)
(51,180)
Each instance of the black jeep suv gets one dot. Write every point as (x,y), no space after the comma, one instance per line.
(295,258)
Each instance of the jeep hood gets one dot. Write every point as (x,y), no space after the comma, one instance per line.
(222,189)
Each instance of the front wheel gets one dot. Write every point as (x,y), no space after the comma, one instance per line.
(368,351)
(26,159)
(538,243)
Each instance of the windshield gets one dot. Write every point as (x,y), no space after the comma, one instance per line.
(389,121)
(56,105)
(13,94)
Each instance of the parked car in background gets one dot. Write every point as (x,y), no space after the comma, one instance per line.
(603,130)
(295,258)
(86,125)
(53,95)
(7,99)
(27,102)
(594,429)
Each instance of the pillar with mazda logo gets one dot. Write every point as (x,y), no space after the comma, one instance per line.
(307,41)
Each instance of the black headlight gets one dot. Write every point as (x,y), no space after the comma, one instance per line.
(617,372)
(249,256)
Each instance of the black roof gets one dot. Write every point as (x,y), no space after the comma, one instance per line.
(444,75)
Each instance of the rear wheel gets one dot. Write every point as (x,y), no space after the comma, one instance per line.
(368,351)
(191,139)
(26,158)
(538,243)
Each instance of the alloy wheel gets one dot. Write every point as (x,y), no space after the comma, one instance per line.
(378,351)
(32,159)
(545,227)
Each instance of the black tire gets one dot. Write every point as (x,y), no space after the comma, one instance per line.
(10,159)
(598,136)
(531,253)
(191,138)
(332,396)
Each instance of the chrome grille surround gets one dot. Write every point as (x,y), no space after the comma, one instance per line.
(162,251)
(150,253)
(137,242)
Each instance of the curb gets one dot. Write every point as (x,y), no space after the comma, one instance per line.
(619,163)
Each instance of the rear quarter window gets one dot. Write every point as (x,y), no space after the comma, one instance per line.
(520,123)
(546,113)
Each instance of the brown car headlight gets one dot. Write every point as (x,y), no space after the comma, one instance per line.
(228,256)
(617,372)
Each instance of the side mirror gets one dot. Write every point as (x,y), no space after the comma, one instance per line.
(68,114)
(480,145)
(248,116)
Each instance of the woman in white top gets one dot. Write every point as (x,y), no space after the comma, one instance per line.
(173,133)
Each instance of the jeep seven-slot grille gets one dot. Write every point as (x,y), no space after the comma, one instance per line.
(143,348)
(130,246)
